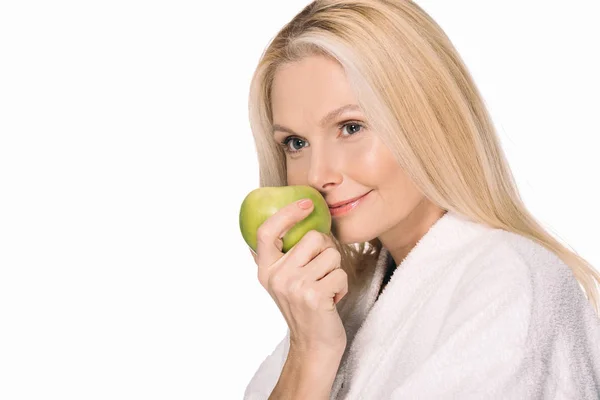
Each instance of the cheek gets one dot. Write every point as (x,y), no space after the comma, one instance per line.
(296,173)
(376,164)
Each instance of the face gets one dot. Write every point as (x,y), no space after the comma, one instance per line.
(340,155)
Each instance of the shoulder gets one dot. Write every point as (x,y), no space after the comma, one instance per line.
(512,258)
(543,268)
(496,261)
(502,269)
(521,267)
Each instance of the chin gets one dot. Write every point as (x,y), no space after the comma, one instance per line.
(354,231)
(345,238)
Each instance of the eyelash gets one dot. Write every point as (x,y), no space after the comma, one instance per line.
(284,143)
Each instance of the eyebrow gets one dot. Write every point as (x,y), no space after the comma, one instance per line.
(326,120)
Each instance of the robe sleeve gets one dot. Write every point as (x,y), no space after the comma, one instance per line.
(266,376)
(479,353)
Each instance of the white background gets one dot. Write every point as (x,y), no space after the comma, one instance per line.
(125,153)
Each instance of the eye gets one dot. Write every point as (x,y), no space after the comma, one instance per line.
(356,127)
(353,129)
(293,140)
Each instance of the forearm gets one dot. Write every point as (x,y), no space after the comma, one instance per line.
(307,376)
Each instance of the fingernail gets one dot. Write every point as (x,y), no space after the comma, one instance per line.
(305,204)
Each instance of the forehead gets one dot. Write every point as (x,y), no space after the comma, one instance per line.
(308,89)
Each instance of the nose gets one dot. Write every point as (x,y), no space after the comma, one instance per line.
(325,169)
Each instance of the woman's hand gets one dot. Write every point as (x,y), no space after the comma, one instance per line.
(306,282)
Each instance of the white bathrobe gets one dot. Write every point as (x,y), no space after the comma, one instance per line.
(471,313)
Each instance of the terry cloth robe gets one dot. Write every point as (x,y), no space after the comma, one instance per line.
(472,312)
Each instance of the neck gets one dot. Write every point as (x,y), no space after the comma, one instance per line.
(401,239)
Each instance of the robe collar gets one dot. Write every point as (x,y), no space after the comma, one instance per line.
(371,320)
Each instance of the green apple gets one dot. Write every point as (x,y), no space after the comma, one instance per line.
(263,202)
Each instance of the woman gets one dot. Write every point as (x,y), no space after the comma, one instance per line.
(437,283)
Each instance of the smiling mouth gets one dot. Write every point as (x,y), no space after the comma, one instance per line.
(350,201)
(348,207)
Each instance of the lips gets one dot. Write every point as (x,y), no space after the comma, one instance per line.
(341,203)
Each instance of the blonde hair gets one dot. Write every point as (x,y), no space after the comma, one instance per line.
(416,92)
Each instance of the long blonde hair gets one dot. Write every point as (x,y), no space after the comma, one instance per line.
(416,92)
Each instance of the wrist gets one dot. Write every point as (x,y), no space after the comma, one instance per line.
(316,358)
(309,350)
(316,371)
(308,374)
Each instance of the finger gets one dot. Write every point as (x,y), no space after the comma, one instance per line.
(309,247)
(334,286)
(270,233)
(322,265)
